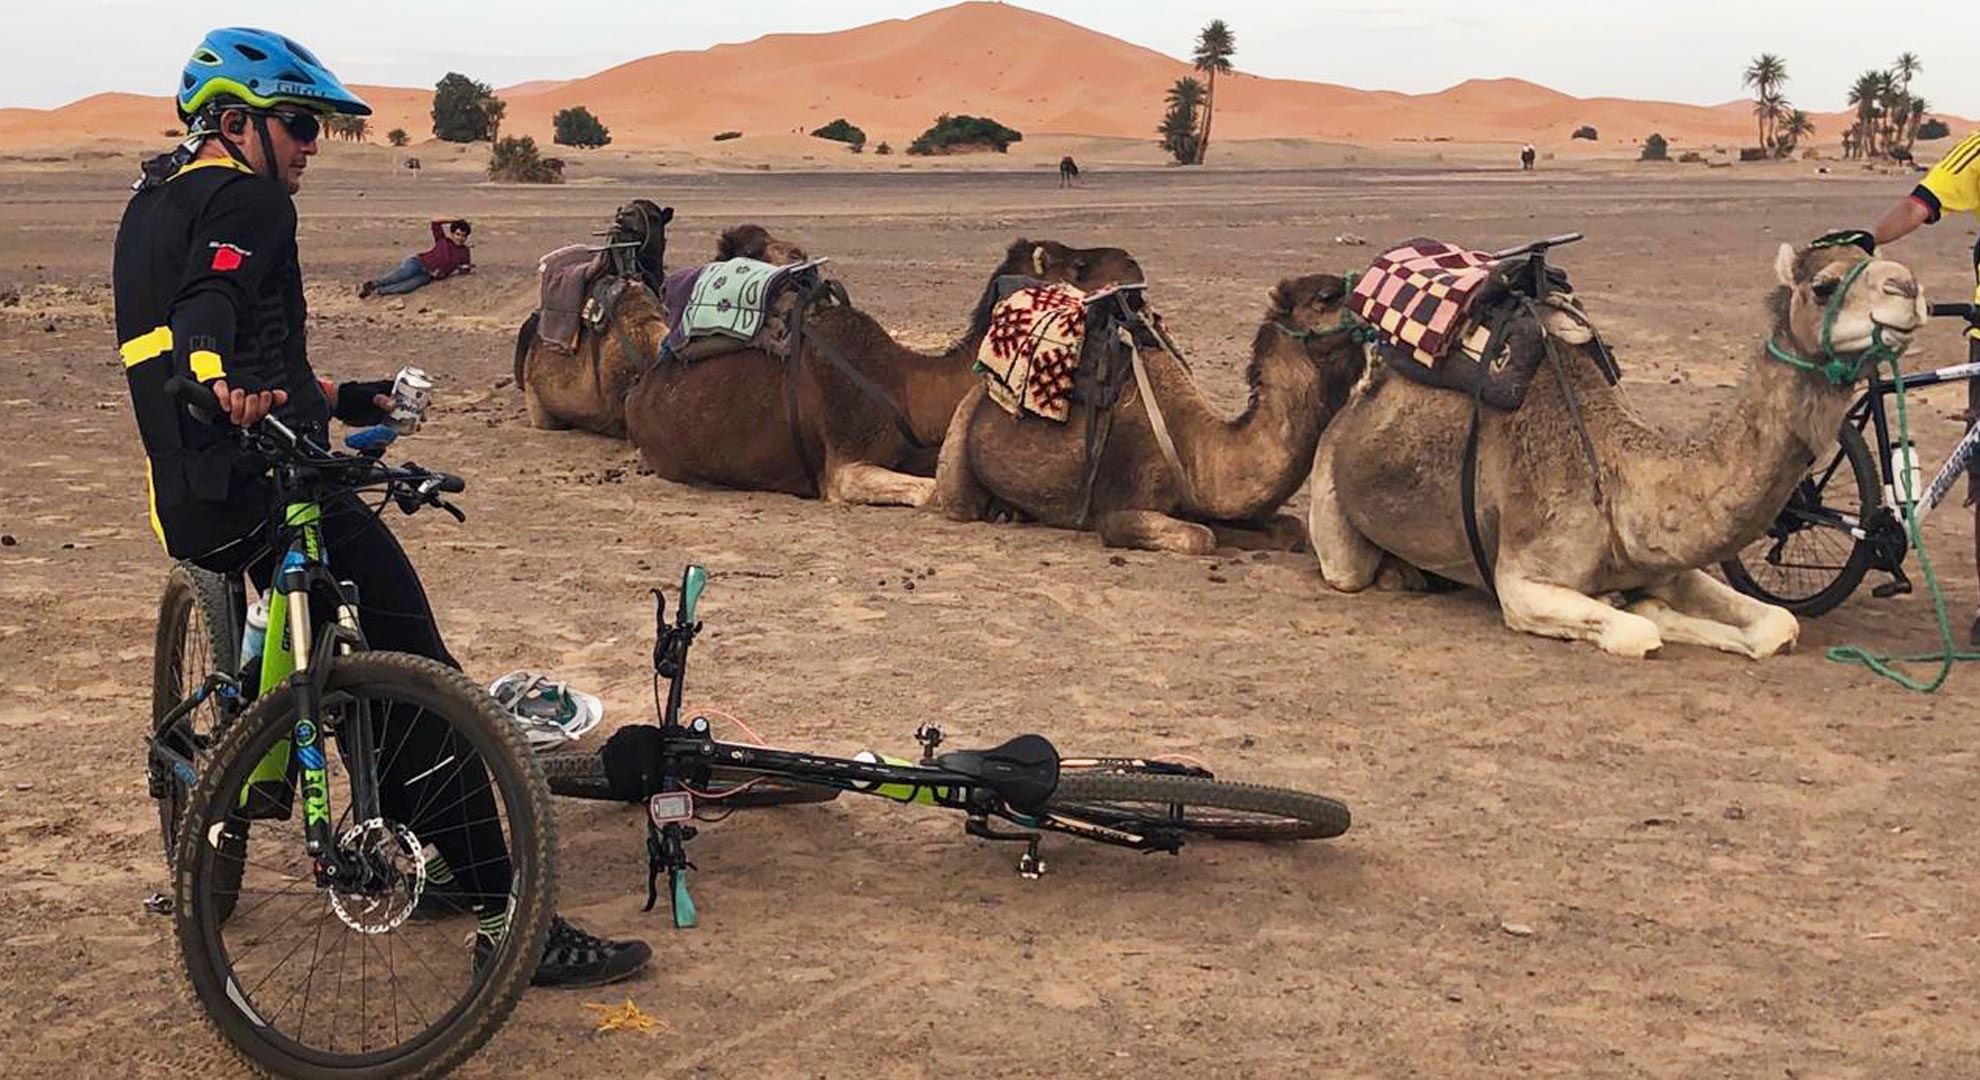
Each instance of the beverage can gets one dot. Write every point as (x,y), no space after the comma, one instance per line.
(412,392)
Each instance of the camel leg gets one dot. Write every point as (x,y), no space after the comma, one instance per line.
(1698,609)
(865,484)
(1348,560)
(958,495)
(540,415)
(1534,607)
(1280,532)
(1151,530)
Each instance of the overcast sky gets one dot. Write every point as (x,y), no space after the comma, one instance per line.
(1675,50)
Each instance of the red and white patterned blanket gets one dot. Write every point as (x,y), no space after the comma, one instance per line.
(1033,348)
(1418,295)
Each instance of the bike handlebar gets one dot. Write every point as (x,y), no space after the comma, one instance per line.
(1538,245)
(1969,312)
(410,484)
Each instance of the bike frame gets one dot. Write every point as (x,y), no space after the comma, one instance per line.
(1869,410)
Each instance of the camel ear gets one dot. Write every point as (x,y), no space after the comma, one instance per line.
(1278,300)
(666,214)
(1784,265)
(1038,261)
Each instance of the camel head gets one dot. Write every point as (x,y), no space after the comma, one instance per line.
(1086,269)
(1839,311)
(1311,310)
(644,222)
(756,242)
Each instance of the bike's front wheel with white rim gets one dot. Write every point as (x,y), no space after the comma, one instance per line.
(408,955)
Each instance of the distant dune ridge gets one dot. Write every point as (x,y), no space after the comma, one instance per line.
(1034,72)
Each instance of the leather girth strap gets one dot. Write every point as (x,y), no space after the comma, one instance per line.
(835,293)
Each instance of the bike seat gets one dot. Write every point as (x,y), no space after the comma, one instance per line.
(1023,771)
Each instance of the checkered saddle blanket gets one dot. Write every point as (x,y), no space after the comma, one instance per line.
(1450,317)
(1031,354)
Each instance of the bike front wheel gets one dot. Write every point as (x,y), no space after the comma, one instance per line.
(1138,801)
(331,976)
(1809,561)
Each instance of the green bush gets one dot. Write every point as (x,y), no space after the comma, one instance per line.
(725,136)
(1585,131)
(1933,128)
(465,110)
(951,133)
(841,131)
(1656,149)
(397,137)
(883,148)
(576,126)
(517,161)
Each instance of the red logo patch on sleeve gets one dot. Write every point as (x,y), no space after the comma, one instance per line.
(228,256)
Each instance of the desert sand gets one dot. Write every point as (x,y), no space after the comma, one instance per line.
(1036,73)
(1728,868)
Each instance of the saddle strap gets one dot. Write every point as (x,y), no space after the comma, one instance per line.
(1468,498)
(1161,425)
(859,380)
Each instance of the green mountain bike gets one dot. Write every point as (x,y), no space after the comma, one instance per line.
(320,800)
(1014,792)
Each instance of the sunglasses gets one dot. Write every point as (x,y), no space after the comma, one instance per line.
(303,127)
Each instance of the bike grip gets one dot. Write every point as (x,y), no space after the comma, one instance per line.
(451,484)
(193,393)
(1957,311)
(693,580)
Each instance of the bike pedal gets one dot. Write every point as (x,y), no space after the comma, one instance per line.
(1031,867)
(158,904)
(1891,588)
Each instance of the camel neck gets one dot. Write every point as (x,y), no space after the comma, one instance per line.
(1244,467)
(1704,498)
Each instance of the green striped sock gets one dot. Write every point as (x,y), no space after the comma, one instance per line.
(437,870)
(492,924)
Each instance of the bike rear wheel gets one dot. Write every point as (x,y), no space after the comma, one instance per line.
(309,980)
(582,776)
(1136,800)
(198,634)
(1808,561)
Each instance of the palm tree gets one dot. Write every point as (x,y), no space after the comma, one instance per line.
(1766,75)
(1906,69)
(1178,129)
(1214,48)
(1768,108)
(1795,126)
(1863,98)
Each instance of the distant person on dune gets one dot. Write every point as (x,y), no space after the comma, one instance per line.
(1952,184)
(1526,156)
(448,256)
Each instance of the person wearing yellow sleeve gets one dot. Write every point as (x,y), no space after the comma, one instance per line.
(1952,185)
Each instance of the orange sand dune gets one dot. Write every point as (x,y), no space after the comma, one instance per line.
(1039,74)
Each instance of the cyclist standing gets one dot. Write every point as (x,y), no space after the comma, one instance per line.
(1952,184)
(208,287)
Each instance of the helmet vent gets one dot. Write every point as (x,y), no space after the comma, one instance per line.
(294,76)
(302,54)
(249,51)
(206,56)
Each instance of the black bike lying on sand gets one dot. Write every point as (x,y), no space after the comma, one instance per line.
(1014,792)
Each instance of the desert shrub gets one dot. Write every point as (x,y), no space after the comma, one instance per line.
(1933,128)
(465,110)
(725,136)
(517,161)
(841,131)
(1655,149)
(576,126)
(397,137)
(883,149)
(952,133)
(1586,131)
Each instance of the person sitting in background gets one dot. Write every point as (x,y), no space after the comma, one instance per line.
(449,255)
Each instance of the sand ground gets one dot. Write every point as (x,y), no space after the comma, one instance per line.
(1731,869)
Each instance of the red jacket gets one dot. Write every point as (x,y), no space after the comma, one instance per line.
(445,257)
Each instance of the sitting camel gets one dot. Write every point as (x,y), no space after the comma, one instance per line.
(587,388)
(1238,472)
(1386,477)
(726,421)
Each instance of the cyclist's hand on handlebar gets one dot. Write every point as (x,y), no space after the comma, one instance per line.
(247,407)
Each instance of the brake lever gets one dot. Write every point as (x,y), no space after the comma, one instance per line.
(451,509)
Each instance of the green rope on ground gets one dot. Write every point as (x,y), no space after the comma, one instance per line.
(1948,653)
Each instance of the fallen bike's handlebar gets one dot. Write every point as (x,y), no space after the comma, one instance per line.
(1969,312)
(1538,246)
